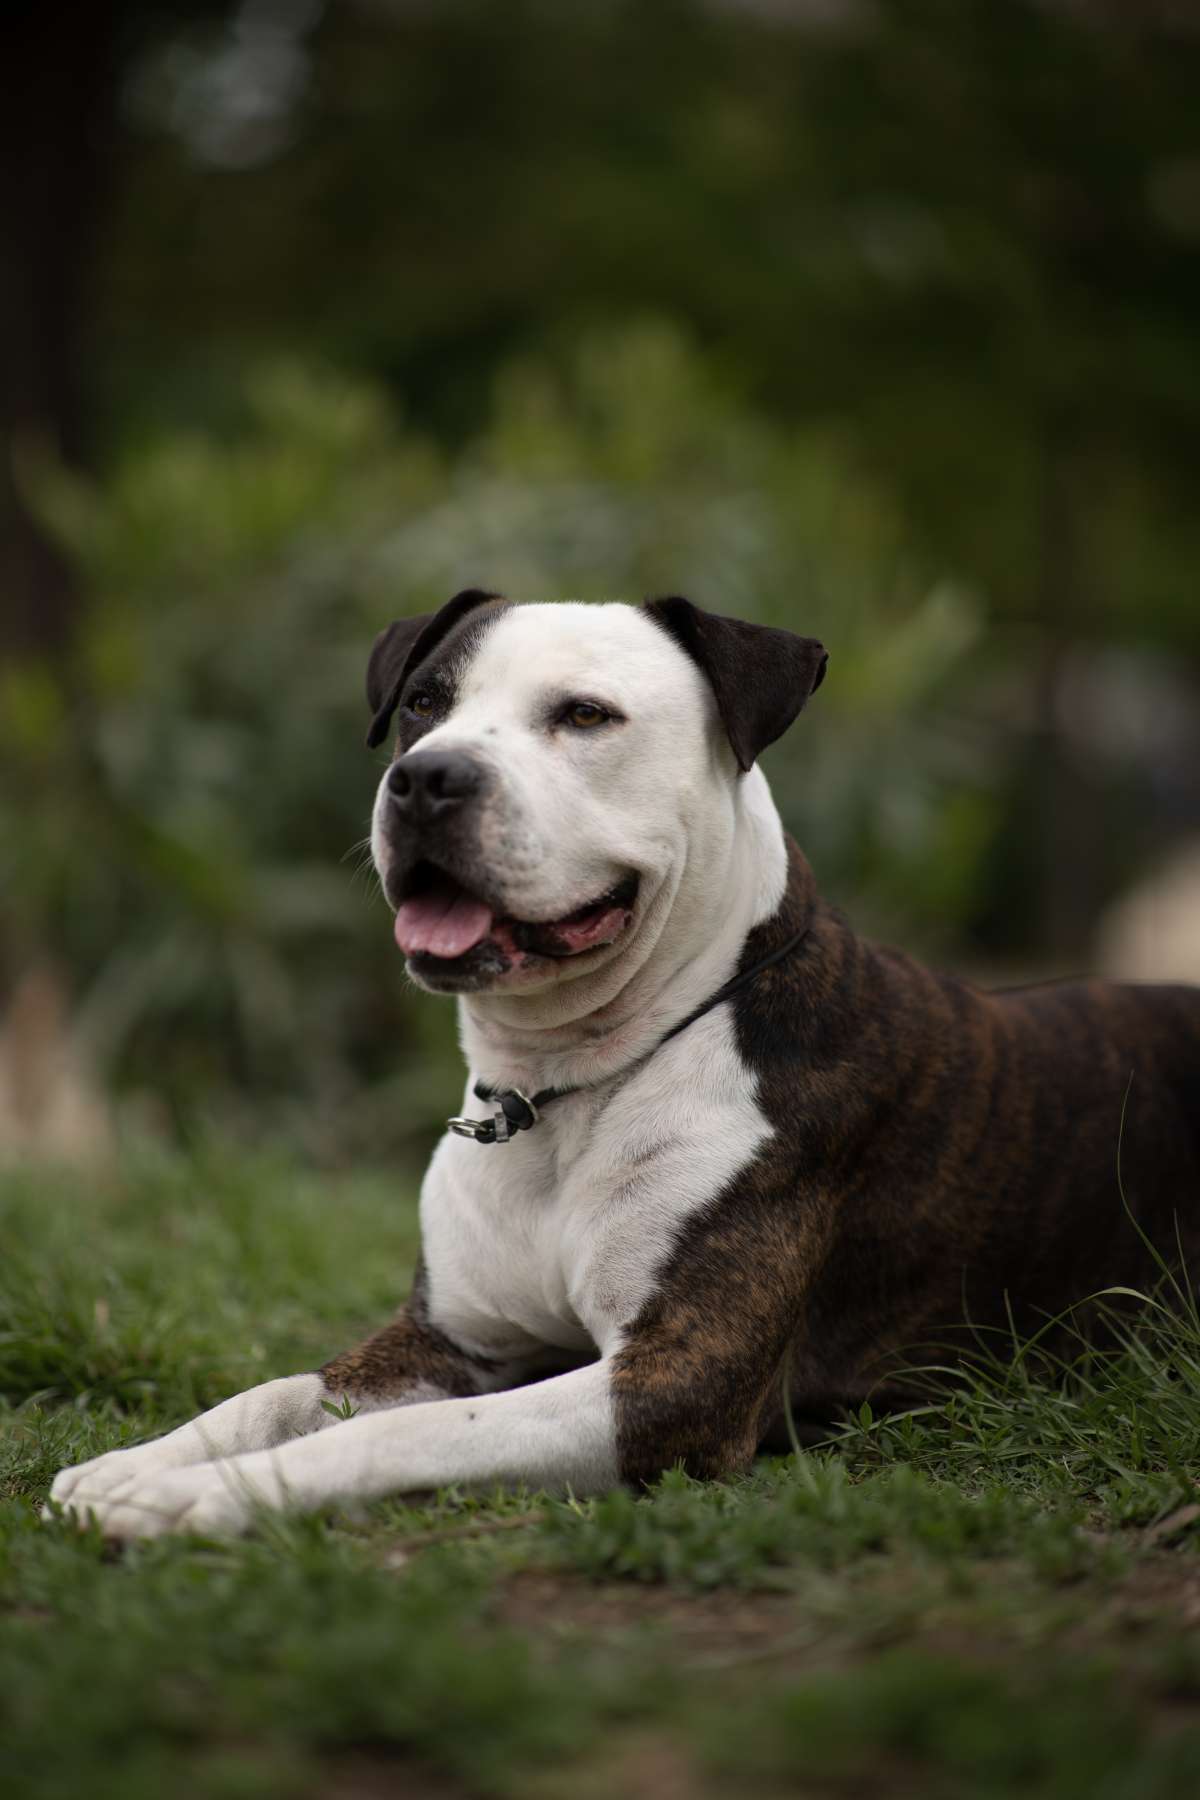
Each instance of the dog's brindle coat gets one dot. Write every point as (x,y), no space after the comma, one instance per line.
(912,1163)
(960,1163)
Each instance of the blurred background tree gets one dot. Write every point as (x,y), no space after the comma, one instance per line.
(878,319)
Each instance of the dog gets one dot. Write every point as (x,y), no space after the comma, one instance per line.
(710,1136)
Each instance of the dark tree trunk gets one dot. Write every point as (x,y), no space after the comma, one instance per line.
(55,131)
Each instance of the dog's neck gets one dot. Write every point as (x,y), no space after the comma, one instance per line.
(689,943)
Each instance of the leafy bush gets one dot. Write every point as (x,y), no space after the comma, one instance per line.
(180,811)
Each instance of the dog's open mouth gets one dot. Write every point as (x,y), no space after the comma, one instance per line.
(439,916)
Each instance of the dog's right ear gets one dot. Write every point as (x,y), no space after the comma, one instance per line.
(404,644)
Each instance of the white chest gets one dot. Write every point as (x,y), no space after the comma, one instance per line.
(558,1238)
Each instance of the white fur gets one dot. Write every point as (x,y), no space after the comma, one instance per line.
(557,1434)
(571,813)
(545,1249)
(558,1241)
(259,1419)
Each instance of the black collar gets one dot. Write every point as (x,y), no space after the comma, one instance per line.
(513,1111)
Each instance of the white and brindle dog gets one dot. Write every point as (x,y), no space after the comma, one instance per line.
(709,1134)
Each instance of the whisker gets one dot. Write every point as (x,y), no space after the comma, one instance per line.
(361,849)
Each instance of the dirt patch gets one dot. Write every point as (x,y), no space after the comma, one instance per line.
(705,1626)
(369,1777)
(1160,1588)
(1159,1600)
(643,1766)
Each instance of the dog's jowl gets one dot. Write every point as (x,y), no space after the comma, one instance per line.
(708,1134)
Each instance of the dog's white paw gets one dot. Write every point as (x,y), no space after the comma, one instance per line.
(113,1469)
(213,1499)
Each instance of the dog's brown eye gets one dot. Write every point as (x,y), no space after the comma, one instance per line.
(421,704)
(583,714)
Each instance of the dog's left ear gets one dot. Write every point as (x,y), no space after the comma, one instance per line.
(761,677)
(401,646)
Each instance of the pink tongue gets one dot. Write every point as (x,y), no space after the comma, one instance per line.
(445,923)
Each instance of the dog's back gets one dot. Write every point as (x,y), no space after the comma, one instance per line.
(994,1158)
(1113,1142)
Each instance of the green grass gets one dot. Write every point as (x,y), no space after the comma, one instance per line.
(996,1595)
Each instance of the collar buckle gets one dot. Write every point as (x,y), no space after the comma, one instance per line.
(480,1131)
(512,1111)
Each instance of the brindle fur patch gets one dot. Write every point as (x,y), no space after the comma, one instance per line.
(409,1353)
(944,1168)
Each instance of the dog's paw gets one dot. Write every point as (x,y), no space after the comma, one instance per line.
(212,1499)
(103,1473)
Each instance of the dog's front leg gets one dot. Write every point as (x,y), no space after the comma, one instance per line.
(409,1361)
(556,1434)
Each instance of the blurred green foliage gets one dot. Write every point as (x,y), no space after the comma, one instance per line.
(185,836)
(966,232)
(878,318)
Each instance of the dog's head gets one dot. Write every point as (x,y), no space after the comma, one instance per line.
(554,766)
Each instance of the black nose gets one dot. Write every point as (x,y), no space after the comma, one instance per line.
(428,784)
